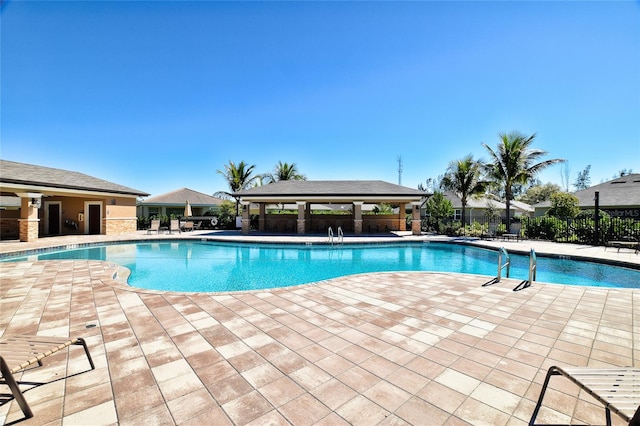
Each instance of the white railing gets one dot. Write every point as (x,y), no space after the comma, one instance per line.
(340,235)
(330,235)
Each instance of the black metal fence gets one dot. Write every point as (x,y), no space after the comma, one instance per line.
(578,231)
(581,230)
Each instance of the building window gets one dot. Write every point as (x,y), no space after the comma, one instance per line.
(457,214)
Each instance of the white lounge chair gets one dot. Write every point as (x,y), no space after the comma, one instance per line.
(155,227)
(618,389)
(20,352)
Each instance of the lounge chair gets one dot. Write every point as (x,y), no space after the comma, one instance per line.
(618,389)
(155,227)
(628,242)
(187,226)
(175,226)
(492,233)
(20,352)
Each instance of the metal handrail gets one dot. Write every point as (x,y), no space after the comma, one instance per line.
(506,264)
(330,235)
(533,268)
(340,235)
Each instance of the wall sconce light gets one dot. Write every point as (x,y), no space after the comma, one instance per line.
(36,202)
(113,201)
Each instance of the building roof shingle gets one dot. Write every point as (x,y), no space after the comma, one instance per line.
(12,172)
(181,196)
(620,192)
(331,188)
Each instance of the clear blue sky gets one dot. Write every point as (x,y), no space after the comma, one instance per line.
(159,95)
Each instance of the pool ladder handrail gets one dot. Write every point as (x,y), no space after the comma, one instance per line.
(507,264)
(340,235)
(533,268)
(330,235)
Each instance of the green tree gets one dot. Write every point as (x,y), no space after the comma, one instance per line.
(238,178)
(539,193)
(285,171)
(438,208)
(513,163)
(226,215)
(383,208)
(431,185)
(464,178)
(622,173)
(564,205)
(583,180)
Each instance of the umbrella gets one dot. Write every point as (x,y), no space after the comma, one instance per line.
(187,210)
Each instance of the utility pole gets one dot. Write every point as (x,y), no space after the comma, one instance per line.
(399,170)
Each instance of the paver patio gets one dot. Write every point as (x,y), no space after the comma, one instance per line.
(385,348)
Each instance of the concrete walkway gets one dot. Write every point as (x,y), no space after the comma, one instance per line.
(386,348)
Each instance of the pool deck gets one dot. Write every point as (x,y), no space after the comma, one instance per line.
(372,349)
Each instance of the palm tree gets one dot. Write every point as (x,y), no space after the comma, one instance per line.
(239,178)
(513,163)
(464,178)
(285,171)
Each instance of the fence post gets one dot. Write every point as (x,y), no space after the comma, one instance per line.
(596,220)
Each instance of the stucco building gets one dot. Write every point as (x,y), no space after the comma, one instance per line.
(42,201)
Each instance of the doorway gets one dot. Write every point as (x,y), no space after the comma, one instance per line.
(52,217)
(93,217)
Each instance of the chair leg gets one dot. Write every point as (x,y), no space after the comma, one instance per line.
(15,389)
(82,342)
(552,372)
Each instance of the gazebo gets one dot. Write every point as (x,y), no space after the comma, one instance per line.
(354,193)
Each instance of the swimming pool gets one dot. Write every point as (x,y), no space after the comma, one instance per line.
(196,266)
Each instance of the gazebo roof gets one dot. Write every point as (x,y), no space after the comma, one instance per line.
(330,191)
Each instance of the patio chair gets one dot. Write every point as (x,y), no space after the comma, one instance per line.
(20,352)
(175,226)
(618,389)
(155,227)
(492,233)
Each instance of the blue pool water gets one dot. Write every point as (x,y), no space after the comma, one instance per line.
(212,266)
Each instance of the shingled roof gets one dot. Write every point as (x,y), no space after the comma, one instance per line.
(329,190)
(30,175)
(181,196)
(620,192)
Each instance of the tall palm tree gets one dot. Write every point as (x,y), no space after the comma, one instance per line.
(464,178)
(513,163)
(238,178)
(285,171)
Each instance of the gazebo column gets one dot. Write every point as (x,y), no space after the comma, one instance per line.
(416,226)
(263,216)
(357,217)
(301,216)
(246,222)
(29,222)
(402,211)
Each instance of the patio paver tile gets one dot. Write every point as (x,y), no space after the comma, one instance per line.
(388,349)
